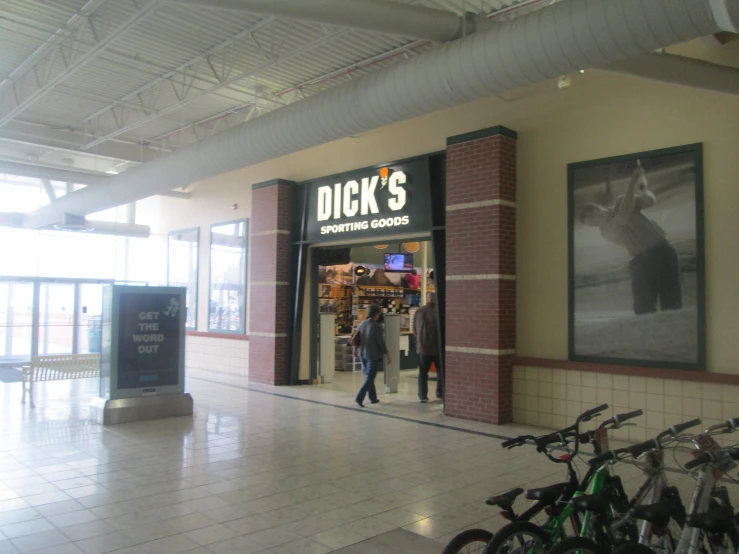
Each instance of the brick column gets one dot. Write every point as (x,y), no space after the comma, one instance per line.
(269,299)
(481,275)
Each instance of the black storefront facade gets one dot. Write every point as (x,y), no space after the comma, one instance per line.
(398,200)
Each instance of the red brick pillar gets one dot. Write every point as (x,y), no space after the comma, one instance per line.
(269,299)
(481,275)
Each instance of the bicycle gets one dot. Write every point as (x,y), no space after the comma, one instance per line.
(710,518)
(526,537)
(547,498)
(711,515)
(664,501)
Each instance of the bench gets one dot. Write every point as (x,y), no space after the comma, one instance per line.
(59,368)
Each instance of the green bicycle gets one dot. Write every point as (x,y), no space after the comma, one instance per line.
(525,537)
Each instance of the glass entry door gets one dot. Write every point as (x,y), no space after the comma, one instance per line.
(90,318)
(56,319)
(45,317)
(16,322)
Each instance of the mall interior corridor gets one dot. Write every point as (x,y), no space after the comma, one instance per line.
(250,472)
(257,469)
(216,215)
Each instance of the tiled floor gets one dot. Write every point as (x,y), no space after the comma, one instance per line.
(289,470)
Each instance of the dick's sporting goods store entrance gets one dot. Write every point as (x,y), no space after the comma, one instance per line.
(332,248)
(373,236)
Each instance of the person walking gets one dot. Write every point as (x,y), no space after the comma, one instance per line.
(654,265)
(370,351)
(426,331)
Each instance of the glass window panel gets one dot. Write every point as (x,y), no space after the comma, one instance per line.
(228,255)
(56,319)
(183,269)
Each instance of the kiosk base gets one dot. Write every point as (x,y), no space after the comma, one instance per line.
(128,410)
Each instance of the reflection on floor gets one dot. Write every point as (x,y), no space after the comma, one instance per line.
(349,382)
(257,469)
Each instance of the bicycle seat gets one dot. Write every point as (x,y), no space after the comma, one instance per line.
(715,521)
(658,514)
(547,495)
(504,500)
(598,502)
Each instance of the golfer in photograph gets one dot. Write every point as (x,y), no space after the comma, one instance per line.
(654,266)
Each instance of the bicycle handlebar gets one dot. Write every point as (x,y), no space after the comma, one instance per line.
(608,456)
(518,441)
(702,458)
(593,412)
(677,429)
(639,449)
(728,426)
(619,419)
(559,436)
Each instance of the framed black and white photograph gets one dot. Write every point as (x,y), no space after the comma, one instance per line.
(636,268)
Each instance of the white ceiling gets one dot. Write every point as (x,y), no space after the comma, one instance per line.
(91,84)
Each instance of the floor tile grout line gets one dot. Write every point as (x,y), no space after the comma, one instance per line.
(361,411)
(408,419)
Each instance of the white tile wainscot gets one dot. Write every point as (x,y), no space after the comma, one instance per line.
(217,357)
(552,398)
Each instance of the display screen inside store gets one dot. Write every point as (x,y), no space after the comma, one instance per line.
(398,262)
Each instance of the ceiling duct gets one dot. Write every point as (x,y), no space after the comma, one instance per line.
(679,70)
(563,38)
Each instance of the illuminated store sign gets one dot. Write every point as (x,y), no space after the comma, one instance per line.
(385,201)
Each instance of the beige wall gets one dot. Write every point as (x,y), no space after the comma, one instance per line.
(633,116)
(600,115)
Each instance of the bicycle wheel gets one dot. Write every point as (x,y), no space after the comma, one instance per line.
(472,541)
(578,545)
(633,548)
(519,537)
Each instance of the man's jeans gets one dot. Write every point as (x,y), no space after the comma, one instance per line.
(371,367)
(425,362)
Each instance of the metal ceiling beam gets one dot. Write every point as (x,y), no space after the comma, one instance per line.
(69,140)
(78,19)
(156,71)
(61,61)
(205,127)
(348,69)
(382,16)
(52,173)
(187,94)
(47,173)
(144,93)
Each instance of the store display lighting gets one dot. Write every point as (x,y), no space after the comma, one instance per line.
(360,270)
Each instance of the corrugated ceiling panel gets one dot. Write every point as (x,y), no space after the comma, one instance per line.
(175,35)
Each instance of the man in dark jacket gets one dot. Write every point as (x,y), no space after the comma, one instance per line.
(370,351)
(426,331)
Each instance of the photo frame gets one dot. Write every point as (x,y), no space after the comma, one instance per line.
(636,259)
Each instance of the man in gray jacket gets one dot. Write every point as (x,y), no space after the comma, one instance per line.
(426,331)
(370,351)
